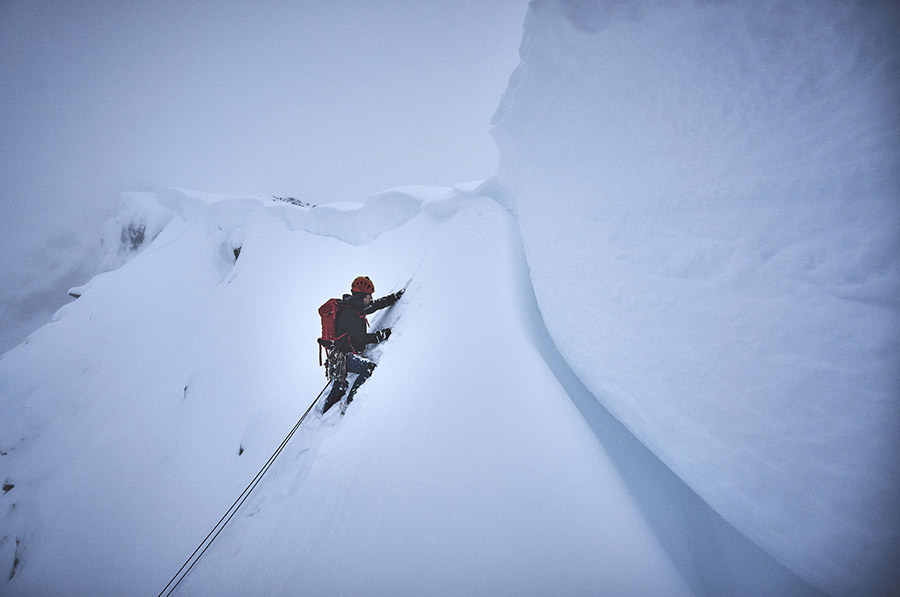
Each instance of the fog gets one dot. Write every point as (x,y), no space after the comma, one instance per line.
(320,100)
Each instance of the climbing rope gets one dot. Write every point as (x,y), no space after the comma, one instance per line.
(229,514)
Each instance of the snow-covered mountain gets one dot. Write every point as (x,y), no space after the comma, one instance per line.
(694,228)
(473,461)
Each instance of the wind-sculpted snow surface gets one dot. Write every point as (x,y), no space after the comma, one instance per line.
(360,224)
(471,463)
(708,196)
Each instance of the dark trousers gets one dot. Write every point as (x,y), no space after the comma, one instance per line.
(362,368)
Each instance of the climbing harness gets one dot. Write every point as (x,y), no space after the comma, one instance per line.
(229,514)
(336,366)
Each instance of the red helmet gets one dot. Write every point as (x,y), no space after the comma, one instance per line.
(363,284)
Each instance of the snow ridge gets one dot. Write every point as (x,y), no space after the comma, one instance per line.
(177,374)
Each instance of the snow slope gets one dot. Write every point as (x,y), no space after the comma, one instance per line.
(716,184)
(694,226)
(473,461)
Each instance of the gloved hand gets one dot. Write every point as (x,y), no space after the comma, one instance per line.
(383,334)
(393,298)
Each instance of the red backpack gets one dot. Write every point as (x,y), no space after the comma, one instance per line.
(328,312)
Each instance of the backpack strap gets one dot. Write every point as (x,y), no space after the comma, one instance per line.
(328,345)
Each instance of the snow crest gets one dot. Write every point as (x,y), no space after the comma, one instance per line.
(717,184)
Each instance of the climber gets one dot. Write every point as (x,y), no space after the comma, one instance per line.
(352,336)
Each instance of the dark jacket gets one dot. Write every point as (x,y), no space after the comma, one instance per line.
(351,327)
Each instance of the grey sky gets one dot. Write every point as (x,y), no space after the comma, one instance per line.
(324,100)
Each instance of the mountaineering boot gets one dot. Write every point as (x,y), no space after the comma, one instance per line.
(337,390)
